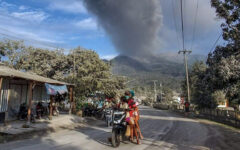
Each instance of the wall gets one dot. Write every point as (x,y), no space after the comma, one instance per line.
(18,90)
(4,96)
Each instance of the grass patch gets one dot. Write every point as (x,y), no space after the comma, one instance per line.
(1,139)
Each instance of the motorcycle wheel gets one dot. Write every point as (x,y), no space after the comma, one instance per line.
(115,138)
(108,123)
(33,119)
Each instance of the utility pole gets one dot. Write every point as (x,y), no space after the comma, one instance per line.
(185,52)
(155,91)
(161,90)
(74,65)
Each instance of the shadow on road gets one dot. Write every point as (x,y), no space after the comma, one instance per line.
(96,130)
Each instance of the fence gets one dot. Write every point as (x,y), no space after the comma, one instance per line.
(228,117)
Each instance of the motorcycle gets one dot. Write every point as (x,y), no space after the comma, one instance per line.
(99,114)
(39,110)
(87,112)
(119,127)
(23,113)
(108,116)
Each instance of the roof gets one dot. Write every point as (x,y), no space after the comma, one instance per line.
(9,72)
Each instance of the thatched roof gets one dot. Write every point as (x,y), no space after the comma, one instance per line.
(9,72)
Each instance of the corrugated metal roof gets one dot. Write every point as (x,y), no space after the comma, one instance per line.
(9,72)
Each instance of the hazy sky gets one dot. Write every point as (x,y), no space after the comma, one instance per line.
(68,24)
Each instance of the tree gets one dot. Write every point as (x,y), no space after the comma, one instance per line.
(50,64)
(218,96)
(168,95)
(224,62)
(90,74)
(82,67)
(200,88)
(12,50)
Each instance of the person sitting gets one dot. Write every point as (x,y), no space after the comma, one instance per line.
(123,103)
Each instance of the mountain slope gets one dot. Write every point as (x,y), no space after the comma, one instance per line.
(163,68)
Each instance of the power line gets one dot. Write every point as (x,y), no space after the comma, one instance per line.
(214,45)
(175,23)
(32,40)
(194,27)
(182,24)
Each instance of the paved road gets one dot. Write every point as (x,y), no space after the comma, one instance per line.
(161,129)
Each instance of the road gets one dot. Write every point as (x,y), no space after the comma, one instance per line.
(161,130)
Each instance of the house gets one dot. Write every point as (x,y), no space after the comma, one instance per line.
(18,87)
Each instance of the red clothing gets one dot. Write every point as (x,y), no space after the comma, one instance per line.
(187,104)
(131,105)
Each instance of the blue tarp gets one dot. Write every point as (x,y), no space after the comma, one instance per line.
(55,89)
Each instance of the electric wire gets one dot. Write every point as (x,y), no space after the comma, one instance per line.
(175,23)
(182,25)
(195,24)
(214,45)
(31,41)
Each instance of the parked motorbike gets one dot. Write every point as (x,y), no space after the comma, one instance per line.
(119,127)
(98,114)
(23,113)
(108,116)
(39,110)
(87,112)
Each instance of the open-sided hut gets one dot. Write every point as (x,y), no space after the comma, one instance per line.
(17,87)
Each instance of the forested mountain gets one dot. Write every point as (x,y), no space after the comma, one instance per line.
(167,68)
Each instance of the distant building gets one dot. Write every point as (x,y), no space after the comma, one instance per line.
(223,104)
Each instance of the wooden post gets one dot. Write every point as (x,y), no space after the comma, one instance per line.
(51,107)
(8,97)
(30,93)
(71,100)
(1,80)
(74,102)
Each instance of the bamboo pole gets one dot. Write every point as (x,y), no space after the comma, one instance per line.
(71,100)
(1,81)
(8,97)
(51,107)
(30,93)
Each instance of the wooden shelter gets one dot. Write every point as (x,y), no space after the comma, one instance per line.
(17,87)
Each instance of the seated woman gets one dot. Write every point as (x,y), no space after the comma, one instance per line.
(123,103)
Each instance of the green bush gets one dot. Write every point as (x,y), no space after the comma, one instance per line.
(80,103)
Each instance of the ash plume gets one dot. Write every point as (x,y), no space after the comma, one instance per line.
(133,25)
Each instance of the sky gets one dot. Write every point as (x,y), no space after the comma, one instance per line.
(67,24)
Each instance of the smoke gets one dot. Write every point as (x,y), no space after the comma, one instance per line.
(133,25)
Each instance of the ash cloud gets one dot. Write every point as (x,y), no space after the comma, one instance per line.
(133,25)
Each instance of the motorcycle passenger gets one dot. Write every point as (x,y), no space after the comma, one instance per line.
(123,104)
(108,103)
(134,116)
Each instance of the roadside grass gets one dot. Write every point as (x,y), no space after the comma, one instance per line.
(208,121)
(1,138)
(212,122)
